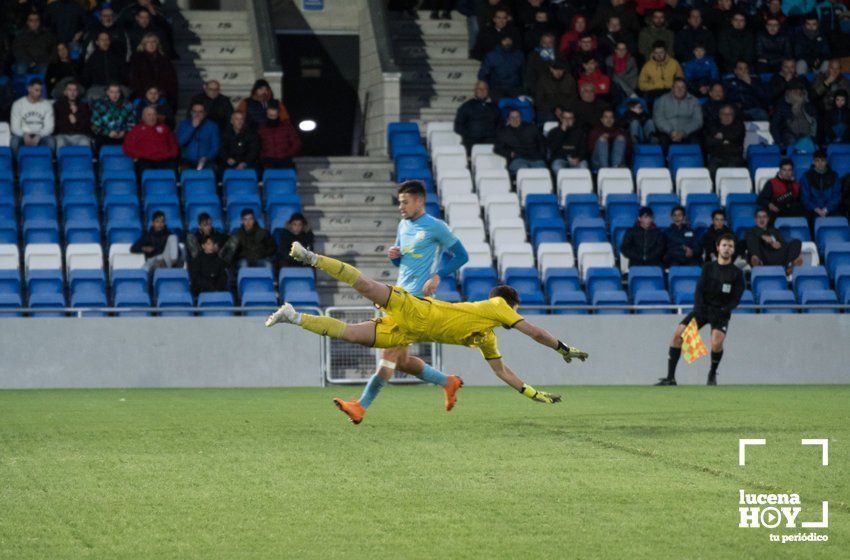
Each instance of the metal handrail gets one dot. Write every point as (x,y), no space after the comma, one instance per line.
(262,22)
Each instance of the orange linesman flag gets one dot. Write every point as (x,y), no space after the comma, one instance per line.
(692,345)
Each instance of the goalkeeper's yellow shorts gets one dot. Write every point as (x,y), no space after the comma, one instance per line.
(405,321)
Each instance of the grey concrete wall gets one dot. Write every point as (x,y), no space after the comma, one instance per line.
(338,15)
(156,352)
(632,349)
(379,92)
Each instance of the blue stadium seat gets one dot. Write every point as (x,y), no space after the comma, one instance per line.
(521,104)
(130,289)
(698,208)
(831,230)
(279,182)
(446,291)
(837,254)
(645,278)
(842,283)
(551,230)
(88,289)
(761,149)
(46,300)
(421,174)
(41,230)
(8,218)
(662,204)
(432,208)
(296,279)
(198,182)
(170,280)
(603,279)
(476,282)
(763,155)
(746,299)
(35,156)
(401,128)
(197,204)
(403,139)
(302,300)
(82,231)
(44,285)
(174,299)
(209,302)
(563,297)
(35,186)
(410,158)
(112,159)
(122,214)
(254,280)
(684,155)
(587,230)
(173,217)
(774,301)
(526,282)
(652,297)
(805,278)
(75,158)
(840,163)
(802,163)
(740,211)
(561,279)
(605,298)
(767,278)
(541,207)
(280,210)
(621,206)
(119,184)
(837,148)
(160,181)
(270,175)
(581,205)
(258,299)
(239,182)
(618,230)
(10,292)
(6,166)
(819,297)
(133,300)
(793,228)
(648,160)
(682,283)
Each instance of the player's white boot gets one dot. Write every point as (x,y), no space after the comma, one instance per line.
(300,254)
(286,314)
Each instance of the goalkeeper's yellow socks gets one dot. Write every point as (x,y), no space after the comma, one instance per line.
(337,269)
(322,326)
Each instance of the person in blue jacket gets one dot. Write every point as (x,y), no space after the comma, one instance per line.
(680,242)
(198,138)
(503,69)
(701,71)
(820,188)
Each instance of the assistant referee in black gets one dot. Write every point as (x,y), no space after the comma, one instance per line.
(717,293)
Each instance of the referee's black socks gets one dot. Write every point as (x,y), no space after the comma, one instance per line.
(672,360)
(715,361)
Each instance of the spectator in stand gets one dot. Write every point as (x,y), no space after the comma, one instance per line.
(832,15)
(716,101)
(827,83)
(622,11)
(251,245)
(256,105)
(60,71)
(717,228)
(680,242)
(207,270)
(623,71)
(103,67)
(159,246)
(73,118)
(772,9)
(503,70)
(654,33)
(477,118)
(693,34)
(112,117)
(613,36)
(149,66)
(219,107)
(588,109)
(657,75)
(820,189)
(154,99)
(67,20)
(591,74)
(724,141)
(441,9)
(780,81)
(199,139)
(643,243)
(32,120)
(196,239)
(567,144)
(638,122)
(586,49)
(143,24)
(297,229)
(767,247)
(794,122)
(678,116)
(569,40)
(735,43)
(534,31)
(836,121)
(491,36)
(107,23)
(539,61)
(700,71)
(607,142)
(555,88)
(520,143)
(279,141)
(780,196)
(772,46)
(33,47)
(240,145)
(747,93)
(810,47)
(151,144)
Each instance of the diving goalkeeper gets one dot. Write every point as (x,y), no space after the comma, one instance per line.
(410,319)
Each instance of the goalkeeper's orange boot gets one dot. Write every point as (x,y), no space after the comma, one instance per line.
(353,409)
(452,386)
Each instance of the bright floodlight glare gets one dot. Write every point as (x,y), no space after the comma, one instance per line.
(307,125)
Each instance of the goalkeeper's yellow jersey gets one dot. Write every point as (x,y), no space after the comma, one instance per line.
(464,324)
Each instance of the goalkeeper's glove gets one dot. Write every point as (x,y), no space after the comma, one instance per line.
(568,352)
(540,396)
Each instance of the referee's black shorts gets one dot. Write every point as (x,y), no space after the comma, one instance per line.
(717,319)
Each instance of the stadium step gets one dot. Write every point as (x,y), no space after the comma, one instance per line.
(349,224)
(402,26)
(416,51)
(341,199)
(217,51)
(211,24)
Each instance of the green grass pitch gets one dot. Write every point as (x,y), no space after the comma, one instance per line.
(611,472)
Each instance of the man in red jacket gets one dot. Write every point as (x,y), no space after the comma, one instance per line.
(279,141)
(151,145)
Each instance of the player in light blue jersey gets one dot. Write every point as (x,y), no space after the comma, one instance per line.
(420,241)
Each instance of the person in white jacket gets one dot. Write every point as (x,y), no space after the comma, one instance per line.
(32,119)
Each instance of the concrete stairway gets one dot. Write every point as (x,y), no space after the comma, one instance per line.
(214,45)
(437,74)
(349,204)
